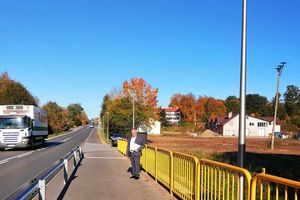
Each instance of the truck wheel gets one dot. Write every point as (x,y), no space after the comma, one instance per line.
(43,142)
(31,147)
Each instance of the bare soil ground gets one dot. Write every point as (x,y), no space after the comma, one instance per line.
(284,161)
(224,144)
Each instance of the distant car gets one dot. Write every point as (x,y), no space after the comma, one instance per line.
(278,134)
(91,126)
(297,136)
(114,138)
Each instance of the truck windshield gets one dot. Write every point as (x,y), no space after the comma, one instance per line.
(11,123)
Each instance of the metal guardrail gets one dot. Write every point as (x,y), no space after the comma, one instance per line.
(274,186)
(221,181)
(122,146)
(39,187)
(185,176)
(191,178)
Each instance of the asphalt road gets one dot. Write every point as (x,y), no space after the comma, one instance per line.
(19,167)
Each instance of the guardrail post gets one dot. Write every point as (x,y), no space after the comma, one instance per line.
(65,171)
(74,159)
(42,189)
(80,153)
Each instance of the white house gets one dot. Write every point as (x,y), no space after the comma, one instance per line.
(154,128)
(254,126)
(173,115)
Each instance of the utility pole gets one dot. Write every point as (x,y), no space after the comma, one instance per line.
(242,117)
(133,120)
(279,69)
(107,131)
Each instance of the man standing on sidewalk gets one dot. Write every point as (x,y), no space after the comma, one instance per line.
(134,150)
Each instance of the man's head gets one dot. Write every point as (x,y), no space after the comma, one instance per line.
(133,132)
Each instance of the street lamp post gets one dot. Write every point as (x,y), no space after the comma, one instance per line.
(242,117)
(133,112)
(107,131)
(279,69)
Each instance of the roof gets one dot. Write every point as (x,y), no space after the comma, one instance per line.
(224,119)
(171,109)
(269,119)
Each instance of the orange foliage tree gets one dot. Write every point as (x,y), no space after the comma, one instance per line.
(210,107)
(186,104)
(200,109)
(142,92)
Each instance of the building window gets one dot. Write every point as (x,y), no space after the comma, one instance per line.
(262,124)
(251,124)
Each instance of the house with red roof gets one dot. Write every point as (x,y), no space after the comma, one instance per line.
(173,115)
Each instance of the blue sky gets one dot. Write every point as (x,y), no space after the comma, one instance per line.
(76,51)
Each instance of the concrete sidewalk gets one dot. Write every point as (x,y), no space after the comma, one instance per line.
(103,174)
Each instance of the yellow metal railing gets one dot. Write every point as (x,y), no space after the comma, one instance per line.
(221,181)
(151,160)
(185,175)
(163,167)
(265,186)
(122,146)
(190,178)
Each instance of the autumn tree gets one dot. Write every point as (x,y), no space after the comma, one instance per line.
(12,92)
(186,103)
(210,107)
(56,119)
(143,93)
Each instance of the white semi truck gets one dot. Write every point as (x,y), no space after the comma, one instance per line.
(22,126)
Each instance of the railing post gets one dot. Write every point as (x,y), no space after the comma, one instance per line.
(146,163)
(155,160)
(42,189)
(171,173)
(197,187)
(65,171)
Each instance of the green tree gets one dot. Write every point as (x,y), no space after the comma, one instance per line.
(12,92)
(258,105)
(56,119)
(292,100)
(74,113)
(162,117)
(281,112)
(232,104)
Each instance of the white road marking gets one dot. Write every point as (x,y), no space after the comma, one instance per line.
(108,158)
(17,156)
(30,152)
(3,161)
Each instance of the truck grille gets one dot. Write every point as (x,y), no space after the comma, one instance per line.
(11,137)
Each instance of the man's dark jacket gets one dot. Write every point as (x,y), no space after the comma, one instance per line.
(140,140)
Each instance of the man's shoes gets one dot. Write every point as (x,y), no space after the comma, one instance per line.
(137,178)
(132,177)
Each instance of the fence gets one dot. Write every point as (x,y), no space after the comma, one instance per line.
(221,181)
(190,178)
(39,187)
(265,186)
